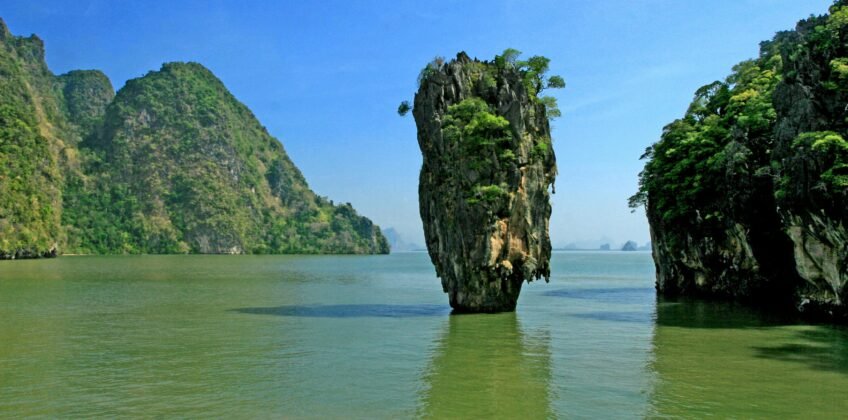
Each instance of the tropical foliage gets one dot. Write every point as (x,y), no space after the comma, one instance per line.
(770,135)
(30,201)
(533,73)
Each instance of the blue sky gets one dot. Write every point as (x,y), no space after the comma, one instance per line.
(326,78)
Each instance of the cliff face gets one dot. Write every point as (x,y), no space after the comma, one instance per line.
(746,194)
(811,131)
(171,164)
(483,190)
(31,143)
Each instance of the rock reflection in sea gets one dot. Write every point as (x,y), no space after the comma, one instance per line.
(486,366)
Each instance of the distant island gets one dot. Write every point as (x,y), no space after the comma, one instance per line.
(172,163)
(746,194)
(629,246)
(606,246)
(398,244)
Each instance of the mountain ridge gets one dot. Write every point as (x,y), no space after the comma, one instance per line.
(170,163)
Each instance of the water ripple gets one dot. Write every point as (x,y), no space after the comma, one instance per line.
(619,316)
(350,311)
(608,295)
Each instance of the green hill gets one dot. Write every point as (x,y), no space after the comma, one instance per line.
(172,163)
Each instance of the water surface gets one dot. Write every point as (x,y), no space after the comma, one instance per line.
(372,336)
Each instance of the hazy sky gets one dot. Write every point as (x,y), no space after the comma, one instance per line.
(326,77)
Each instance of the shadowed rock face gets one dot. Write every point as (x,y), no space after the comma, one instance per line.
(746,193)
(483,190)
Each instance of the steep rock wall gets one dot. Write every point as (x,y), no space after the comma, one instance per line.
(746,194)
(484,183)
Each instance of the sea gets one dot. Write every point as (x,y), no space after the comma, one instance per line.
(373,337)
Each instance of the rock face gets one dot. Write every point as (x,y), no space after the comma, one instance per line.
(484,184)
(172,163)
(746,194)
(31,147)
(811,104)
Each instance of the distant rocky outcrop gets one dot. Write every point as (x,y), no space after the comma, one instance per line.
(605,247)
(397,242)
(629,246)
(172,163)
(747,194)
(484,184)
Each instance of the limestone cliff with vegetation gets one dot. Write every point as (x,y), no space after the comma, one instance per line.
(172,163)
(31,146)
(488,166)
(746,194)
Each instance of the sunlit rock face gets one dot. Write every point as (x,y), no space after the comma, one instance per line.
(484,185)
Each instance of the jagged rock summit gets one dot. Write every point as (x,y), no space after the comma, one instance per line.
(487,169)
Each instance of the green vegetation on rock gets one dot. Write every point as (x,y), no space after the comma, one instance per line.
(171,164)
(533,73)
(86,94)
(488,166)
(746,194)
(30,178)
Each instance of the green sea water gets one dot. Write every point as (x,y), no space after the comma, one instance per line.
(372,337)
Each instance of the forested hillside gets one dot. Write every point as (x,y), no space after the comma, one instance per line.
(172,163)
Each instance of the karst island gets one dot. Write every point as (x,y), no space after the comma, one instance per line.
(488,170)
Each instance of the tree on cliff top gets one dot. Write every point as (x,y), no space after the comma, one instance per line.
(533,72)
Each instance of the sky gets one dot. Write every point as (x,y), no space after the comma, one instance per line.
(326,77)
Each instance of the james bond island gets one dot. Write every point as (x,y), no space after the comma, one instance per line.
(488,166)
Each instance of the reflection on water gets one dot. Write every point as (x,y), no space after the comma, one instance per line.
(728,360)
(630,317)
(708,314)
(485,366)
(820,349)
(606,294)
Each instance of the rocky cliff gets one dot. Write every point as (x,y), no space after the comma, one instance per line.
(31,145)
(746,194)
(172,163)
(484,184)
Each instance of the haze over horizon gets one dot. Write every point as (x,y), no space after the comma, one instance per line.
(326,80)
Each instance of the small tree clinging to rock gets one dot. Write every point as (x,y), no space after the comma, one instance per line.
(533,71)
